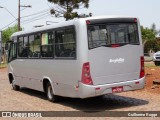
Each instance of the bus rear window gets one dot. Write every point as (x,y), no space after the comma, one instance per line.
(109,34)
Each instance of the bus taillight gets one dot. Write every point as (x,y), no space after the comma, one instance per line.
(142,72)
(135,20)
(88,22)
(86,76)
(115,45)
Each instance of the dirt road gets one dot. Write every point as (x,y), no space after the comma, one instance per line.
(30,100)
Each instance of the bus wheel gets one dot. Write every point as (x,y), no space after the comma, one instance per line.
(51,97)
(14,86)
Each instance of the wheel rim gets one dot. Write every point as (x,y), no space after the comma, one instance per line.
(50,92)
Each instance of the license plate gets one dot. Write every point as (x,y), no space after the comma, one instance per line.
(117,89)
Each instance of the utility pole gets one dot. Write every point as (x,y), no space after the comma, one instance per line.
(19,25)
(19,13)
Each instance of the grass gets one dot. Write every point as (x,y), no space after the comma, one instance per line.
(150,65)
(3,65)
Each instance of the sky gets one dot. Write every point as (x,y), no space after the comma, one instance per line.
(146,10)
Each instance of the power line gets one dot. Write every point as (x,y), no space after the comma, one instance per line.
(9,24)
(42,17)
(26,16)
(35,13)
(39,16)
(8,12)
(36,16)
(36,19)
(29,20)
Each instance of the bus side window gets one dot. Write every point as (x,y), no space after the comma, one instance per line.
(31,45)
(20,46)
(65,46)
(12,52)
(34,45)
(47,41)
(58,42)
(23,47)
(37,45)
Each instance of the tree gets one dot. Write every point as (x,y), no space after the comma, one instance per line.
(153,28)
(151,45)
(147,34)
(149,39)
(6,34)
(66,8)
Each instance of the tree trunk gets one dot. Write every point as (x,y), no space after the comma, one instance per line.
(145,41)
(67,17)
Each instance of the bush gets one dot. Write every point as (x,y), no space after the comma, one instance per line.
(151,45)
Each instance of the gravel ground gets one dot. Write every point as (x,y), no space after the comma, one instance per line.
(29,100)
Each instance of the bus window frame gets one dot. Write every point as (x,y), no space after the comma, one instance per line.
(112,23)
(46,31)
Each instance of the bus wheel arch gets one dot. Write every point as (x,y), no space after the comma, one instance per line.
(49,90)
(11,78)
(13,82)
(45,82)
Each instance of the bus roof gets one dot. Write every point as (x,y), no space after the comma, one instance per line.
(65,23)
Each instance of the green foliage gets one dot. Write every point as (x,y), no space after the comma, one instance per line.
(148,34)
(149,38)
(151,45)
(65,8)
(6,34)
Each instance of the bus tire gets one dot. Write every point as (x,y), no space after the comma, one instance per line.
(50,95)
(14,86)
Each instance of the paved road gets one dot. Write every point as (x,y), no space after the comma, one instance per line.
(30,100)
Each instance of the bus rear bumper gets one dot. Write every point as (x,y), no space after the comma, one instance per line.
(86,91)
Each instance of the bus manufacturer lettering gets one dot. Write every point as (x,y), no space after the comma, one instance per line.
(117,60)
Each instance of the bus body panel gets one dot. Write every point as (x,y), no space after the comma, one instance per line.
(116,65)
(66,74)
(32,78)
(86,91)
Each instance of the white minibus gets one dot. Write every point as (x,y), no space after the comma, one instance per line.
(81,58)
